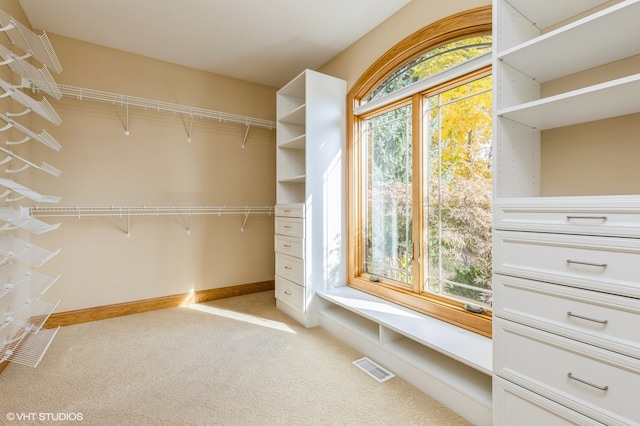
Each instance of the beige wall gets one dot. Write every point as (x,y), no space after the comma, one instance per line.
(153,166)
(598,158)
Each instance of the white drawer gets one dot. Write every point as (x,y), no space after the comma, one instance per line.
(289,292)
(291,268)
(289,245)
(605,215)
(597,383)
(610,265)
(608,321)
(292,227)
(290,210)
(514,405)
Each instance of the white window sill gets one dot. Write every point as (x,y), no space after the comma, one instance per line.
(455,342)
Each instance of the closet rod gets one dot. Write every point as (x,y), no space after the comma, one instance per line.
(149,104)
(147,211)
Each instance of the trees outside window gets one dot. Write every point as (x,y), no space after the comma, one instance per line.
(421,180)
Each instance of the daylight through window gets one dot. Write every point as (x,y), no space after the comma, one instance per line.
(422,179)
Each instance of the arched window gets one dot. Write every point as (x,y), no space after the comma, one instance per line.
(420,173)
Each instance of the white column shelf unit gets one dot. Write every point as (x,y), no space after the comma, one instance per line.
(566,286)
(310,192)
(23,340)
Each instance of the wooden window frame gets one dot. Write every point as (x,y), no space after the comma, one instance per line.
(461,25)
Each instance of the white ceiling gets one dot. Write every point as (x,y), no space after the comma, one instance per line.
(263,41)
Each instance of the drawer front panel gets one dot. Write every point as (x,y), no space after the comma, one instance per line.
(289,292)
(592,381)
(610,265)
(514,405)
(606,216)
(289,245)
(291,268)
(290,210)
(291,227)
(608,321)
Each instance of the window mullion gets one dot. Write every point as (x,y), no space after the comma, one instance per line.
(417,210)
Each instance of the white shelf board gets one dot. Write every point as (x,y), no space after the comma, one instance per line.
(298,142)
(296,116)
(543,14)
(296,87)
(472,383)
(558,47)
(462,345)
(294,179)
(355,323)
(630,203)
(610,99)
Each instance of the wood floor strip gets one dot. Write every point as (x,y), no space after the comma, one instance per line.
(138,306)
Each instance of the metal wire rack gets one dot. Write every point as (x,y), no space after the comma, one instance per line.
(128,211)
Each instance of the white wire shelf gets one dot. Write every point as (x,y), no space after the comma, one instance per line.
(44,138)
(147,210)
(15,277)
(23,191)
(28,348)
(128,212)
(126,101)
(15,219)
(38,46)
(31,254)
(26,164)
(32,313)
(41,77)
(43,108)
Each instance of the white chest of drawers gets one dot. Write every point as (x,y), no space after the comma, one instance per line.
(566,316)
(566,267)
(289,246)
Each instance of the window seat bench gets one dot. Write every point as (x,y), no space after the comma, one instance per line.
(449,363)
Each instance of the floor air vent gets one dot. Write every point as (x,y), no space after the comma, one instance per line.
(373,369)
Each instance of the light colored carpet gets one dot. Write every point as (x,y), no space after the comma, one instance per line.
(235,361)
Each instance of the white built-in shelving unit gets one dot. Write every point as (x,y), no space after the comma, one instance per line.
(310,192)
(23,311)
(566,281)
(445,361)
